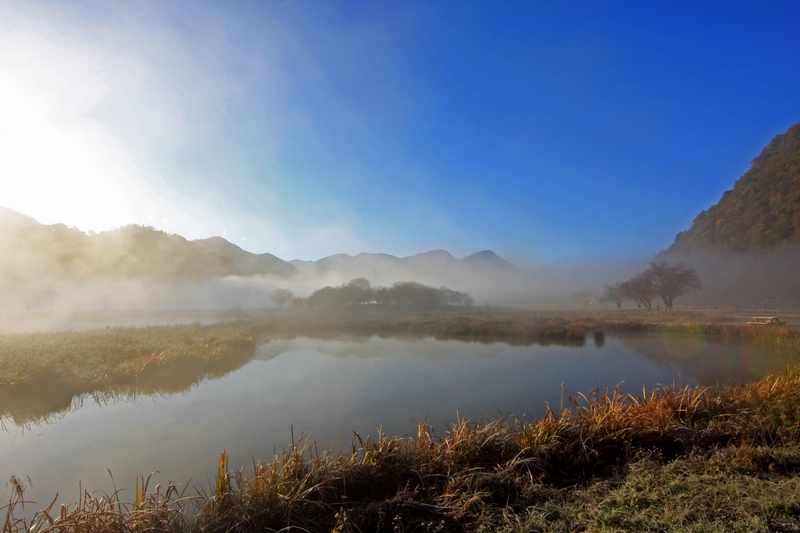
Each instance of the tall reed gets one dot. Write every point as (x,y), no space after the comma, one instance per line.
(470,474)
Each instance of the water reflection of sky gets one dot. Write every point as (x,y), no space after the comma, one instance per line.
(330,389)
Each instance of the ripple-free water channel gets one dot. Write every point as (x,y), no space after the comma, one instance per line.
(329,389)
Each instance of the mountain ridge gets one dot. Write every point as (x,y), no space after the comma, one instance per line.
(248,263)
(30,249)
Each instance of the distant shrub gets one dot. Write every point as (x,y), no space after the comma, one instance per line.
(407,294)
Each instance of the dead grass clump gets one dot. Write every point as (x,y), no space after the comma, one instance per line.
(153,510)
(671,458)
(610,443)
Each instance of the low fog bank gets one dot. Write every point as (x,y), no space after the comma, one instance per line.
(487,286)
(729,279)
(55,269)
(489,279)
(60,270)
(745,279)
(140,294)
(740,280)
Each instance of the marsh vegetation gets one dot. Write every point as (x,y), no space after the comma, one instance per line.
(42,373)
(670,457)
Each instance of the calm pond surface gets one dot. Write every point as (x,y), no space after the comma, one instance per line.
(329,389)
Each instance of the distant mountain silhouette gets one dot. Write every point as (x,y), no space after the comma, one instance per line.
(488,259)
(432,267)
(55,266)
(11,219)
(762,210)
(485,275)
(33,251)
(246,263)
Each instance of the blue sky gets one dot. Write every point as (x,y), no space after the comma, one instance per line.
(544,131)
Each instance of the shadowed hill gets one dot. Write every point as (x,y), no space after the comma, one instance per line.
(30,251)
(45,267)
(747,247)
(761,211)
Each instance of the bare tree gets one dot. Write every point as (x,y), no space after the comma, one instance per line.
(281,296)
(670,281)
(639,289)
(613,293)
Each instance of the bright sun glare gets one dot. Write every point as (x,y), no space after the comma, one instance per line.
(57,170)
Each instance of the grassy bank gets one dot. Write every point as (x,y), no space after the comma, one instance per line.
(41,373)
(721,458)
(691,459)
(95,355)
(518,327)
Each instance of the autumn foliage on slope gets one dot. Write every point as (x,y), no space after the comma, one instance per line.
(762,210)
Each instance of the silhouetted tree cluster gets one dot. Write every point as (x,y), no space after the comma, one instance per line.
(613,293)
(671,281)
(402,294)
(281,297)
(662,279)
(639,289)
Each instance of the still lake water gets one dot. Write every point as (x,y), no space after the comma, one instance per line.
(329,389)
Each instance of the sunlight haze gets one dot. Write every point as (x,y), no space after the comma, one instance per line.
(542,131)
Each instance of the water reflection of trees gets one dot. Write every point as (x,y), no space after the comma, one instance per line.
(340,345)
(49,399)
(706,359)
(374,347)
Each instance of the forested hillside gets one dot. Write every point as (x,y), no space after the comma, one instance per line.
(762,210)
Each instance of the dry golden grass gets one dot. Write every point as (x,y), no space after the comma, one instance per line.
(675,458)
(524,327)
(43,373)
(607,455)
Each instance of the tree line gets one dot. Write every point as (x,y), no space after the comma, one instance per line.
(660,279)
(359,292)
